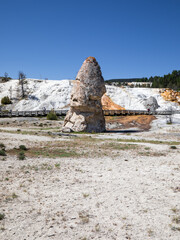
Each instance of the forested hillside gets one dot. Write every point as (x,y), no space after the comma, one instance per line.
(171,80)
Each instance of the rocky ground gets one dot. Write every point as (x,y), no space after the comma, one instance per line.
(122,184)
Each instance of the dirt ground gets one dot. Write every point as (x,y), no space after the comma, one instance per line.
(115,185)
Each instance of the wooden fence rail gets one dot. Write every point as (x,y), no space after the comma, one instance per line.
(137,112)
(41,113)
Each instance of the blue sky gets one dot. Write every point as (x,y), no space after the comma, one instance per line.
(51,38)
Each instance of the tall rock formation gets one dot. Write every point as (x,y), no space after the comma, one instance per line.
(85,112)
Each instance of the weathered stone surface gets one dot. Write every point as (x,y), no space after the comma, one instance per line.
(85,112)
(151,104)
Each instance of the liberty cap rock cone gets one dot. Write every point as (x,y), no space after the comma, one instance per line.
(86,112)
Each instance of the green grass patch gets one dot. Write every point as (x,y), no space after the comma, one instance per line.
(54,153)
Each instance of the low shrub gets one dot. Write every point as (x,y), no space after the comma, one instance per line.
(173,147)
(23,147)
(2,216)
(21,156)
(14,195)
(2,146)
(52,115)
(2,152)
(5,100)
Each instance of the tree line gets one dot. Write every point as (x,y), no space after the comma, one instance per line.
(171,80)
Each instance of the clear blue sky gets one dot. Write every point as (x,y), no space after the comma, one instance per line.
(51,38)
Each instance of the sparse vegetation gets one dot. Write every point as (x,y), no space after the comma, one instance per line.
(21,156)
(85,195)
(2,216)
(84,217)
(175,228)
(150,233)
(104,164)
(14,195)
(174,210)
(23,147)
(2,152)
(152,154)
(36,168)
(53,153)
(176,219)
(118,146)
(2,146)
(173,147)
(5,78)
(57,165)
(52,115)
(2,149)
(149,141)
(5,100)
